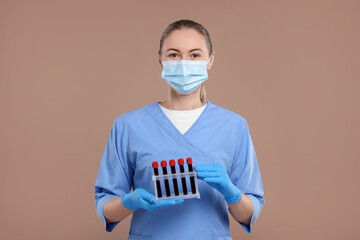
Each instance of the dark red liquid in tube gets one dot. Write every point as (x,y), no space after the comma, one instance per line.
(173,171)
(183,180)
(155,166)
(192,179)
(166,181)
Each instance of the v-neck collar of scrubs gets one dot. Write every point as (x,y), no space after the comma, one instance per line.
(192,126)
(157,113)
(183,113)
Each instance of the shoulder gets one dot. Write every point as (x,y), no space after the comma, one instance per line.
(132,117)
(228,114)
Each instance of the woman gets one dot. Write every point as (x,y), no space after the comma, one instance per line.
(184,125)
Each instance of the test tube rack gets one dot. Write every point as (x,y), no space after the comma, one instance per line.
(178,183)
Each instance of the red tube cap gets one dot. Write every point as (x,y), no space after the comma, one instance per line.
(181,161)
(163,164)
(189,160)
(172,162)
(155,165)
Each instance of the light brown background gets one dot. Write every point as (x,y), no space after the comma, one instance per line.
(70,68)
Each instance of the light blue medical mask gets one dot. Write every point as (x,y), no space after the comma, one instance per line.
(185,75)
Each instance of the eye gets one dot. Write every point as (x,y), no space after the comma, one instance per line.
(173,55)
(195,55)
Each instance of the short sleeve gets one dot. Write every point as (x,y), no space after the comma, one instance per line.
(115,176)
(245,172)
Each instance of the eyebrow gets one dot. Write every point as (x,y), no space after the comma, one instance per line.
(196,49)
(192,50)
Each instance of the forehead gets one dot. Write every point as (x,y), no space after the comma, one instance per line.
(185,39)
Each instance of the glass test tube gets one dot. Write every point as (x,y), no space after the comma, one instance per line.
(173,171)
(155,166)
(183,180)
(192,179)
(166,181)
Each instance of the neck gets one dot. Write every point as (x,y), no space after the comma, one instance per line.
(179,102)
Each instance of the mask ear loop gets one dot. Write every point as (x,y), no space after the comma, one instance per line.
(209,58)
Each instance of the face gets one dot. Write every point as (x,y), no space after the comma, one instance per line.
(185,44)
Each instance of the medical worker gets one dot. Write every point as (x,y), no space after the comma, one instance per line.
(182,126)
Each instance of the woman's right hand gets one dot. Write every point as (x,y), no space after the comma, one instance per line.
(140,198)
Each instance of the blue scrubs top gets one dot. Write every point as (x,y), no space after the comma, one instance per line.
(145,135)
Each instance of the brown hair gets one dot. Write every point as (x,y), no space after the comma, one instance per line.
(186,24)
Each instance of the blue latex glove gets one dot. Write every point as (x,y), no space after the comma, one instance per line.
(216,176)
(140,198)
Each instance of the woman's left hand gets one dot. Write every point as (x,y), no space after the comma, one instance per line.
(216,176)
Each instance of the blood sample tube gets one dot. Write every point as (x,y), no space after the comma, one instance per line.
(183,180)
(166,181)
(173,171)
(155,166)
(192,179)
